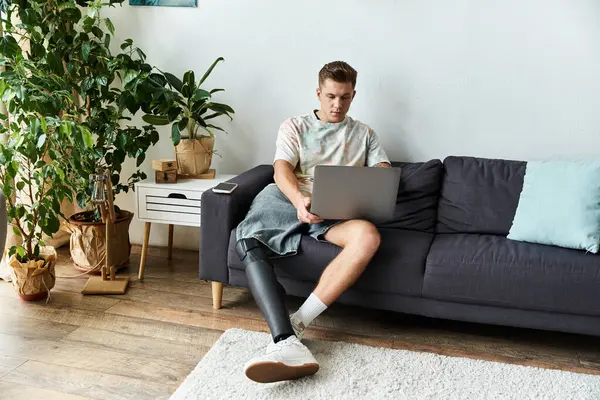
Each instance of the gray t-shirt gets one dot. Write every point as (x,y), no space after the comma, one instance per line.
(305,142)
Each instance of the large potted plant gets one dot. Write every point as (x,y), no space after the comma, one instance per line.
(72,43)
(114,142)
(33,170)
(189,109)
(114,87)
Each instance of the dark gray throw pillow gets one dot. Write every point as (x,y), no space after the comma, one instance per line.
(418,192)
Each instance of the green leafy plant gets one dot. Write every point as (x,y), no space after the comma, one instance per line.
(69,43)
(186,106)
(33,171)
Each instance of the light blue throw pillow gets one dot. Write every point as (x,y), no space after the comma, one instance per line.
(560,205)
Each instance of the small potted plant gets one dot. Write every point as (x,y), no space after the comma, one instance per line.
(189,109)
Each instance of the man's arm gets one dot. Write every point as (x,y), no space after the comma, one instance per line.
(288,184)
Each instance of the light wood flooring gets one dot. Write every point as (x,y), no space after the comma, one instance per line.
(142,345)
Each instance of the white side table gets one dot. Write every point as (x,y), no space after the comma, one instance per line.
(172,204)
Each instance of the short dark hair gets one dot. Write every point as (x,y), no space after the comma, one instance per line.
(338,71)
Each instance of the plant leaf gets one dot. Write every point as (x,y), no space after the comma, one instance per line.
(9,46)
(141,54)
(156,119)
(175,134)
(102,80)
(189,79)
(52,224)
(110,26)
(214,115)
(216,127)
(207,73)
(86,48)
(65,127)
(129,76)
(182,124)
(216,90)
(60,173)
(41,141)
(88,139)
(97,32)
(126,44)
(221,107)
(201,94)
(35,124)
(174,81)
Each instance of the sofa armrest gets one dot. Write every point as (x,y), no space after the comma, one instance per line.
(223,212)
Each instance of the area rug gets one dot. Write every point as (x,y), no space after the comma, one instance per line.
(352,371)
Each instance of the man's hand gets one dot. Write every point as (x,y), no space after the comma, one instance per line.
(302,206)
(383,165)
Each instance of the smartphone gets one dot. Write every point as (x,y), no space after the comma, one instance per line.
(225,187)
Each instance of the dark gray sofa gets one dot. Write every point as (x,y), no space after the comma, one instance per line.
(444,255)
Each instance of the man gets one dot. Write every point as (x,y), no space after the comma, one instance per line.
(281,213)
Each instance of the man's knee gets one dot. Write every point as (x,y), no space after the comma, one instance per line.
(366,237)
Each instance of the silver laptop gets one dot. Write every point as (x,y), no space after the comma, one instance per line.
(341,192)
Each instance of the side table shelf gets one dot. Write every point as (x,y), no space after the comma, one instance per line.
(173,204)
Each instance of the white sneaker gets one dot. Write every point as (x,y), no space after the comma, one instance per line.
(298,326)
(285,360)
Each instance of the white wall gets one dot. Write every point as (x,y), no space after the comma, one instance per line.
(508,79)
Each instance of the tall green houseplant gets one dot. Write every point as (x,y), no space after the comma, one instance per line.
(33,169)
(70,42)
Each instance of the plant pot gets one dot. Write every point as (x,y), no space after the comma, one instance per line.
(34,279)
(194,156)
(88,241)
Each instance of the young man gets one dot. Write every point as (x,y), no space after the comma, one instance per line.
(281,213)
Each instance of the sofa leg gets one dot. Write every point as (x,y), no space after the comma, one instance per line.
(217,294)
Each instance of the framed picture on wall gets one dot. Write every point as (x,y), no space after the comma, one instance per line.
(164,3)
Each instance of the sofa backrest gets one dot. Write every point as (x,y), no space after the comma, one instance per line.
(479,195)
(418,193)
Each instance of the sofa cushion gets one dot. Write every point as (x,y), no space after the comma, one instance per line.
(494,270)
(560,205)
(418,194)
(479,195)
(397,267)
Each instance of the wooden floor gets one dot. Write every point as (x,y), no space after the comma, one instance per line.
(141,345)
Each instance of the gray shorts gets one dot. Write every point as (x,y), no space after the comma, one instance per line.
(273,220)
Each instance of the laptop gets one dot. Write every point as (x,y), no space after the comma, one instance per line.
(341,192)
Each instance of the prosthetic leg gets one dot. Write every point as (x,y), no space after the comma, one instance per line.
(266,290)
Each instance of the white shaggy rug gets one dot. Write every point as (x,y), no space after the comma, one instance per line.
(351,371)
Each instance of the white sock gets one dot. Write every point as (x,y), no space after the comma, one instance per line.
(311,309)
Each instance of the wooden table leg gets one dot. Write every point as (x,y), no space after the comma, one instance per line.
(217,293)
(170,256)
(144,250)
